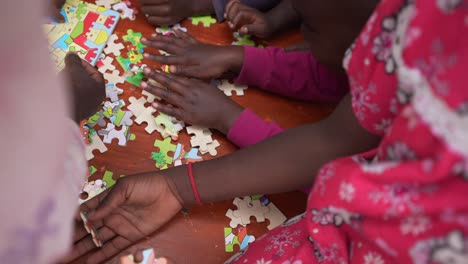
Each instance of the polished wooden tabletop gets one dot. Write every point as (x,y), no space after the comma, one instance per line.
(198,237)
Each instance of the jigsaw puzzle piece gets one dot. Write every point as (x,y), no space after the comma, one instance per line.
(96,144)
(165,147)
(97,118)
(111,133)
(150,98)
(125,11)
(114,77)
(123,118)
(113,47)
(166,30)
(235,220)
(202,137)
(275,216)
(137,106)
(228,88)
(108,179)
(136,79)
(106,65)
(170,129)
(92,189)
(247,208)
(207,21)
(147,117)
(113,92)
(211,148)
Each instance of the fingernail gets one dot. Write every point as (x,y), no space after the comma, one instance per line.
(143,85)
(144,39)
(154,35)
(146,55)
(155,105)
(172,69)
(147,70)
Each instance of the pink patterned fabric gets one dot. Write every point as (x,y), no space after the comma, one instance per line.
(404,201)
(41,152)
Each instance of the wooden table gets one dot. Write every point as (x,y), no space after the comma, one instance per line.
(198,237)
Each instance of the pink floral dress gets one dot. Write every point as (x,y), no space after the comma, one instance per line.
(406,200)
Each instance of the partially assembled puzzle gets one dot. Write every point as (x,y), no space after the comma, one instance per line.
(86,30)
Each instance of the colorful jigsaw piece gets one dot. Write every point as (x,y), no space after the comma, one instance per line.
(171,129)
(207,21)
(242,239)
(165,147)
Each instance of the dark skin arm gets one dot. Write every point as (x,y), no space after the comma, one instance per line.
(169,12)
(139,205)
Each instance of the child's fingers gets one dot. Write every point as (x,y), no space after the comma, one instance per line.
(169,110)
(168,60)
(156,10)
(231,9)
(108,203)
(109,249)
(87,245)
(170,45)
(185,36)
(167,95)
(188,71)
(160,20)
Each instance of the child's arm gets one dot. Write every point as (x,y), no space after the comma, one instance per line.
(293,74)
(296,75)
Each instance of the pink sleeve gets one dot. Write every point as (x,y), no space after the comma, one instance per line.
(258,129)
(296,75)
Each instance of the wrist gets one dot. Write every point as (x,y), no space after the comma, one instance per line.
(229,117)
(179,182)
(234,56)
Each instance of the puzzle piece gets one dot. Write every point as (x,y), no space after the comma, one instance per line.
(192,156)
(123,118)
(96,144)
(134,38)
(97,118)
(147,117)
(207,21)
(91,171)
(108,179)
(275,216)
(243,40)
(164,148)
(92,189)
(106,65)
(136,79)
(211,148)
(134,57)
(106,3)
(114,77)
(137,106)
(170,128)
(113,92)
(150,98)
(124,63)
(113,47)
(125,11)
(242,239)
(111,133)
(166,30)
(228,88)
(202,137)
(247,207)
(235,221)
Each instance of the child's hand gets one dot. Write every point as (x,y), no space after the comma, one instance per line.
(193,101)
(169,12)
(248,20)
(191,58)
(54,10)
(87,86)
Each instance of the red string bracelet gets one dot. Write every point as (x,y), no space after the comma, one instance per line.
(194,186)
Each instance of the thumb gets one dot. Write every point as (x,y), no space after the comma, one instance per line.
(72,60)
(114,199)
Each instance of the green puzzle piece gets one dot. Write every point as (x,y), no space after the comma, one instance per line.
(244,41)
(136,79)
(108,179)
(207,21)
(165,147)
(160,159)
(134,57)
(134,38)
(235,241)
(124,63)
(92,170)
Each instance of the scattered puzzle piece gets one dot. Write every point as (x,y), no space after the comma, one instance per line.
(275,216)
(113,92)
(228,88)
(91,229)
(92,189)
(125,11)
(207,21)
(114,77)
(137,106)
(106,65)
(91,171)
(107,178)
(164,148)
(136,79)
(111,133)
(235,221)
(202,137)
(211,148)
(113,47)
(97,118)
(243,40)
(150,98)
(247,208)
(123,118)
(106,3)
(242,239)
(166,30)
(148,258)
(95,145)
(135,38)
(171,129)
(147,117)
